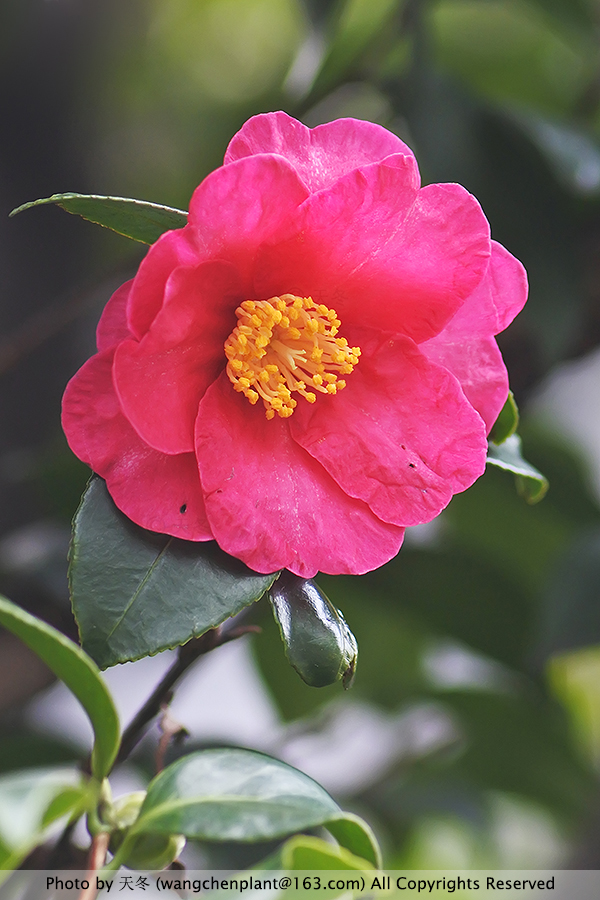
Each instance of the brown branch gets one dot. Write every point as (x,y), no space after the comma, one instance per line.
(162,694)
(96,860)
(171,731)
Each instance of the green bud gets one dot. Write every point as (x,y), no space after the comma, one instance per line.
(147,851)
(154,851)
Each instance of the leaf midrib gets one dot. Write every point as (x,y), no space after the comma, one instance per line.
(139,589)
(174,805)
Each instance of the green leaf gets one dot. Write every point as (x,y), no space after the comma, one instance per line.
(318,643)
(531,484)
(5,861)
(233,795)
(136,593)
(63,803)
(136,219)
(28,803)
(306,853)
(388,639)
(507,422)
(353,833)
(78,672)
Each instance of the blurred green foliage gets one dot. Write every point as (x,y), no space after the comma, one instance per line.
(504,97)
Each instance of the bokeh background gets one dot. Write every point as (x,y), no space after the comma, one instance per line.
(471,737)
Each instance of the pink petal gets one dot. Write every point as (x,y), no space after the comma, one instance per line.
(237,207)
(371,246)
(401,436)
(161,380)
(158,492)
(466,346)
(112,327)
(320,155)
(270,504)
(479,367)
(498,298)
(172,249)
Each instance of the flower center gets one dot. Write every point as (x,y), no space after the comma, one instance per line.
(287,345)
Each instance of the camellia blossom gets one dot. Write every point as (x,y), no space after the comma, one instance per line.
(309,366)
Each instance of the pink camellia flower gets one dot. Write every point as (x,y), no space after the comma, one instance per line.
(309,366)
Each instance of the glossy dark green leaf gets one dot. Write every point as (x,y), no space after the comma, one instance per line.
(531,484)
(233,795)
(78,672)
(507,422)
(136,219)
(390,670)
(318,643)
(353,833)
(136,593)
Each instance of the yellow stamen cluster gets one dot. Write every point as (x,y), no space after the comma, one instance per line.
(287,345)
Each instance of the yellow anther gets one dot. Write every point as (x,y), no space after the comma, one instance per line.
(271,359)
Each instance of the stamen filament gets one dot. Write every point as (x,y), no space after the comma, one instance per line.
(268,357)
